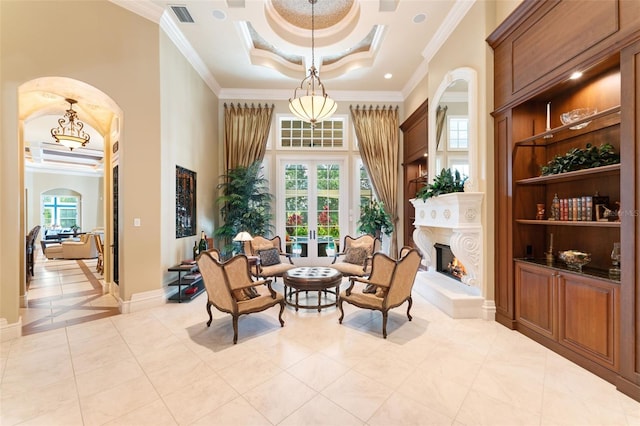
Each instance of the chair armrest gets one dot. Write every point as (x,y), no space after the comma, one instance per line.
(352,281)
(252,284)
(287,255)
(271,290)
(335,257)
(366,262)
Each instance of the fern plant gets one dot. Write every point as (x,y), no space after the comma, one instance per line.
(446,182)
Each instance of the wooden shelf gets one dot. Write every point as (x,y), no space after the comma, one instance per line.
(593,224)
(612,169)
(181,296)
(607,118)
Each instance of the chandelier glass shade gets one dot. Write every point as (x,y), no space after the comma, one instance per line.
(310,101)
(69,131)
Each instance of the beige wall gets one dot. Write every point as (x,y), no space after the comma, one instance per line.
(89,187)
(119,53)
(466,47)
(189,139)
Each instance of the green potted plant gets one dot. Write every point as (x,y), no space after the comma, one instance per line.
(245,205)
(578,159)
(446,182)
(375,220)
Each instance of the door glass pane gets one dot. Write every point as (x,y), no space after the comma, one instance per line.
(297,209)
(327,208)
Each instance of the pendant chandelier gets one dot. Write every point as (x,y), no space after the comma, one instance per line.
(69,131)
(310,101)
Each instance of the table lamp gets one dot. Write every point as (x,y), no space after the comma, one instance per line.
(241,237)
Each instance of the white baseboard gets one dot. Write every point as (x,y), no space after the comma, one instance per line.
(489,310)
(142,301)
(10,331)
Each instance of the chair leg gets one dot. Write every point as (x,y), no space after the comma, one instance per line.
(235,329)
(210,316)
(409,308)
(384,323)
(341,311)
(280,315)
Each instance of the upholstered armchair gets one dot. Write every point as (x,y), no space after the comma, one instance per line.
(355,257)
(272,261)
(389,285)
(231,289)
(85,248)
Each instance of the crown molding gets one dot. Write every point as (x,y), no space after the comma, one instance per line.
(458,11)
(455,15)
(183,45)
(144,8)
(157,14)
(337,95)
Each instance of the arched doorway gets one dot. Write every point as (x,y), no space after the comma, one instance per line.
(42,102)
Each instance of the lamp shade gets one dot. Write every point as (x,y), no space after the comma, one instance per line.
(313,108)
(243,236)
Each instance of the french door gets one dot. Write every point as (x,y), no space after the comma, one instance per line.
(312,208)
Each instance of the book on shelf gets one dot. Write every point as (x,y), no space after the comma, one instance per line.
(192,276)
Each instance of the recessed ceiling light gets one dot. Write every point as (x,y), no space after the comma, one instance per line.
(576,75)
(219,14)
(388,75)
(420,17)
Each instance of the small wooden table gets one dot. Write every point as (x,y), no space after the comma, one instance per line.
(320,279)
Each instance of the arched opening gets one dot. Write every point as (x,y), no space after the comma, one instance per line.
(68,189)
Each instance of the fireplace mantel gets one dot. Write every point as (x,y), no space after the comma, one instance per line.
(460,213)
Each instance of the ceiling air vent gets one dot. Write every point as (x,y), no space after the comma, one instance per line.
(182,13)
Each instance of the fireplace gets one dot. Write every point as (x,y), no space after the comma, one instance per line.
(447,263)
(454,221)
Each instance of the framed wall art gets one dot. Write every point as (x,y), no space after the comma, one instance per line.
(185,202)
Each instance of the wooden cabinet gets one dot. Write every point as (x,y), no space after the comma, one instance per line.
(578,311)
(586,316)
(415,138)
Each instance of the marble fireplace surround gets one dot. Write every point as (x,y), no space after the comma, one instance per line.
(455,220)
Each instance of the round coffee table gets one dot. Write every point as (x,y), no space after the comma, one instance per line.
(312,279)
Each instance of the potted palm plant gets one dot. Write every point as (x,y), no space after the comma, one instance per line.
(245,205)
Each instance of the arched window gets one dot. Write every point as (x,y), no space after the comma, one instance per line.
(60,209)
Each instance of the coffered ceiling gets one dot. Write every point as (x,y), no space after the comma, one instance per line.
(261,49)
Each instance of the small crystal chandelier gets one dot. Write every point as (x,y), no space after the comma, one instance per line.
(313,105)
(69,131)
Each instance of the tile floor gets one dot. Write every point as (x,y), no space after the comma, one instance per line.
(163,366)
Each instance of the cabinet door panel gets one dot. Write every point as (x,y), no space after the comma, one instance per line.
(535,301)
(588,318)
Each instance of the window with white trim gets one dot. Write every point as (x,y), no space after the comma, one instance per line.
(328,134)
(458,133)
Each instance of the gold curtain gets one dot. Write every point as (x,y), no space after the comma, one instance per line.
(246,130)
(441,113)
(377,132)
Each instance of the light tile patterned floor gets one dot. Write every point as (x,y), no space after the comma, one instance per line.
(165,367)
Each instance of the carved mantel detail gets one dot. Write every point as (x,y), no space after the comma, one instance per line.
(459,213)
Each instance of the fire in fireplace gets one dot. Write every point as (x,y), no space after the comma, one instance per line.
(447,263)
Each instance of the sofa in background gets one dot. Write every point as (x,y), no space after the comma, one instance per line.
(84,248)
